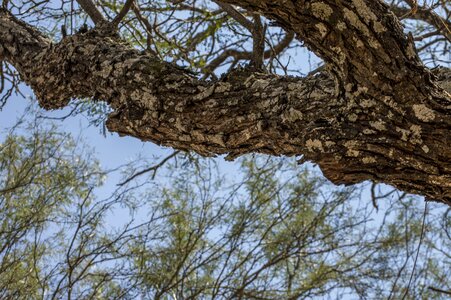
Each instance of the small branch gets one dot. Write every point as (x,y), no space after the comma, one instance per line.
(258,36)
(317,70)
(284,43)
(373,196)
(2,77)
(236,15)
(128,4)
(240,55)
(153,168)
(90,8)
(439,290)
(418,250)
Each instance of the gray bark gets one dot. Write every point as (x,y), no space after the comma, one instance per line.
(376,114)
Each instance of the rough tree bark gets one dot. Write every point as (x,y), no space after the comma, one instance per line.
(376,114)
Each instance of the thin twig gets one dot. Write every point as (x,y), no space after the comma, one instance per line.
(418,250)
(439,290)
(153,168)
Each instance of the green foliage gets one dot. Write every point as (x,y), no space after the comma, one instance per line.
(41,173)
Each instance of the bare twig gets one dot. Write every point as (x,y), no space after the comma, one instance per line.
(418,250)
(153,168)
(2,77)
(439,290)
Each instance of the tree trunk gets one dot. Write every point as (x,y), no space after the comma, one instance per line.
(376,114)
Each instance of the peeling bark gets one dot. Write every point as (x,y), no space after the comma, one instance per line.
(377,114)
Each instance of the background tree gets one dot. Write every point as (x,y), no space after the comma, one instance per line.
(374,111)
(273,231)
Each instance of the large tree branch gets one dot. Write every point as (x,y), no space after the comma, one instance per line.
(392,127)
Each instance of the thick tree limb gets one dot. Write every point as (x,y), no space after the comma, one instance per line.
(381,116)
